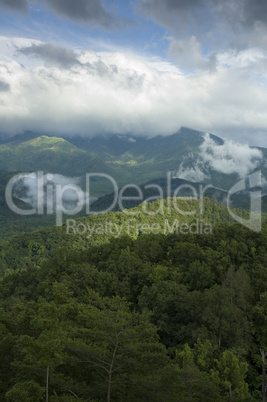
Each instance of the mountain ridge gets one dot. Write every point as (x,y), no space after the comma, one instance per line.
(189,154)
(131,160)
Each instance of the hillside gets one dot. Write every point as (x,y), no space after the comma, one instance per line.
(125,316)
(165,216)
(188,154)
(48,154)
(145,158)
(143,147)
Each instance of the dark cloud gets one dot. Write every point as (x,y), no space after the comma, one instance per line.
(201,29)
(255,10)
(91,11)
(180,17)
(4,86)
(16,5)
(243,12)
(170,4)
(156,7)
(52,53)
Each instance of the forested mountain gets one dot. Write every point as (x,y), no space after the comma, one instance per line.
(189,154)
(49,154)
(91,312)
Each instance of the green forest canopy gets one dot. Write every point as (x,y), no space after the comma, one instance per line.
(152,317)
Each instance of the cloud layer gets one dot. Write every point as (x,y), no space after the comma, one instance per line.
(62,91)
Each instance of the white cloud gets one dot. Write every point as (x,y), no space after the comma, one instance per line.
(9,47)
(242,59)
(34,191)
(188,54)
(194,174)
(230,157)
(121,93)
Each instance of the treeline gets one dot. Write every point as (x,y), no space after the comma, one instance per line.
(142,318)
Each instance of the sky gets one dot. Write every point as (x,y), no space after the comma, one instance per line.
(140,67)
